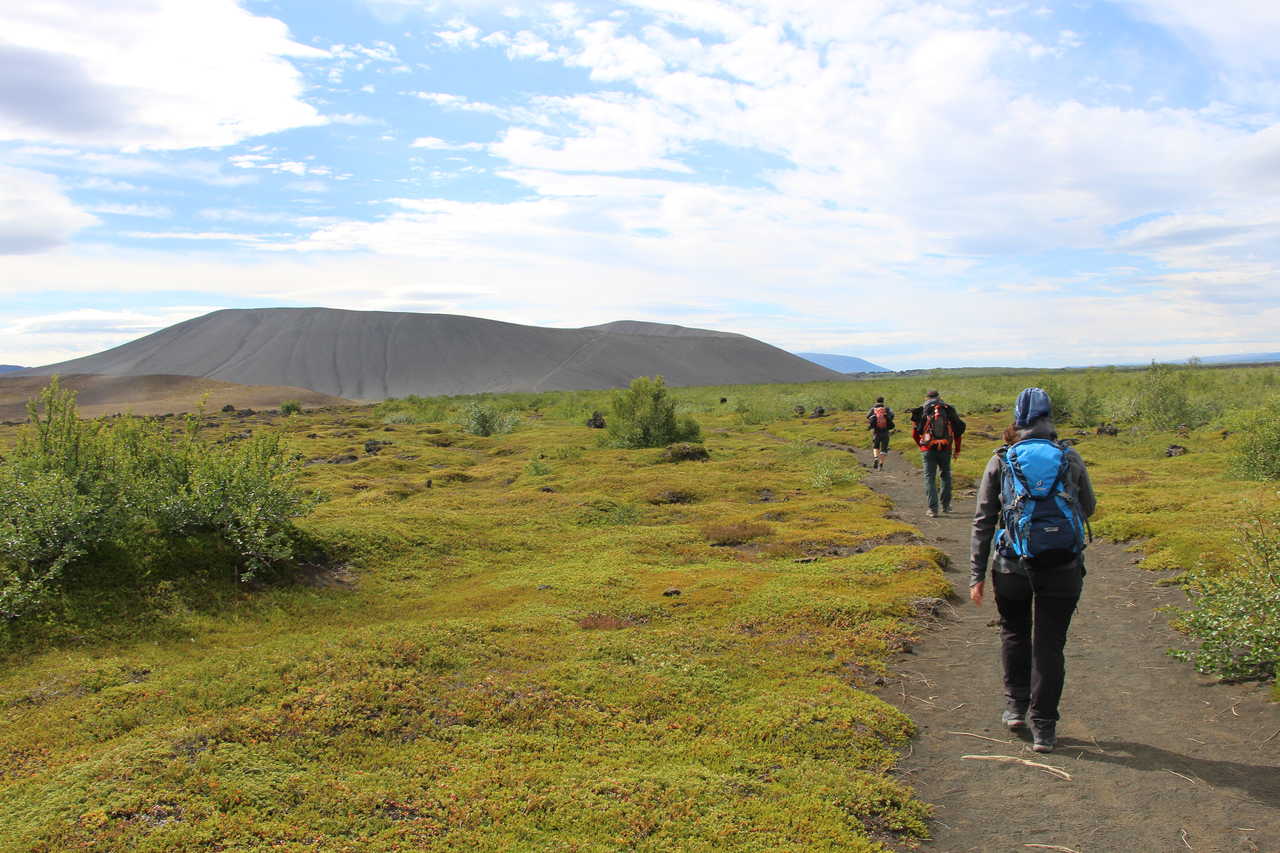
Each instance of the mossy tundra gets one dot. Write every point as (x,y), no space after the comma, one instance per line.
(534,641)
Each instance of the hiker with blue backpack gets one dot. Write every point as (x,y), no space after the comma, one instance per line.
(1033,507)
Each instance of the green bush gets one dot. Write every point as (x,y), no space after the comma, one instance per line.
(1236,616)
(1088,412)
(481,419)
(1257,452)
(72,489)
(291,407)
(1163,399)
(645,416)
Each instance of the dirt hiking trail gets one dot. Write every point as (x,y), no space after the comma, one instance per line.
(1159,757)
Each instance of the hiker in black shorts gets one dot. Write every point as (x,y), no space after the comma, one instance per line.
(880,422)
(1033,505)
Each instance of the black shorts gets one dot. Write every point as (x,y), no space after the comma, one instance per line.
(880,439)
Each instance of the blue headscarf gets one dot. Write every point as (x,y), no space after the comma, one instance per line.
(1033,403)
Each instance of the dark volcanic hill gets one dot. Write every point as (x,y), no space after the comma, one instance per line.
(372,355)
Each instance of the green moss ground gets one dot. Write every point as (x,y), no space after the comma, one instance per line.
(506,672)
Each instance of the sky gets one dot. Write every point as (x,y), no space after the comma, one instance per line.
(921,184)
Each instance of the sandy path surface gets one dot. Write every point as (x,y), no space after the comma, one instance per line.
(1160,758)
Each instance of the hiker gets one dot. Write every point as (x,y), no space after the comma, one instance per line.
(936,429)
(1033,509)
(880,422)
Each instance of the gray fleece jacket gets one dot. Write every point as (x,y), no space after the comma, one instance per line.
(987,514)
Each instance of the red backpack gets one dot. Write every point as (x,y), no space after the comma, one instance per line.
(937,426)
(881,415)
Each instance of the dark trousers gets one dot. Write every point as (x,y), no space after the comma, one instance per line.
(937,466)
(1034,617)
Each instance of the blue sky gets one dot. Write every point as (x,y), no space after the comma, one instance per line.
(918,183)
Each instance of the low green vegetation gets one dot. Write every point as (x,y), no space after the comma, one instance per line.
(531,639)
(525,640)
(290,407)
(85,501)
(1236,620)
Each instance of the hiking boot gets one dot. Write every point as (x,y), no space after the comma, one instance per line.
(1012,718)
(946,508)
(933,513)
(1043,735)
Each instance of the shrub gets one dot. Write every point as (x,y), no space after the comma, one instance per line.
(1236,616)
(1257,453)
(1163,402)
(645,416)
(1088,412)
(290,407)
(72,488)
(480,419)
(537,468)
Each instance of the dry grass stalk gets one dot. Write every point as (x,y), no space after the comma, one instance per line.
(981,737)
(1010,759)
(1057,847)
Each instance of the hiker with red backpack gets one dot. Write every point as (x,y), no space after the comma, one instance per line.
(937,430)
(1033,508)
(880,422)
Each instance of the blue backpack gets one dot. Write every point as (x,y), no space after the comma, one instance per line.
(1040,522)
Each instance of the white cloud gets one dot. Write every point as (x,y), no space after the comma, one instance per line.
(35,214)
(1238,33)
(436,144)
(152,211)
(219,236)
(136,74)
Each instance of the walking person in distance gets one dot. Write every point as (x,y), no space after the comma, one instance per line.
(937,430)
(880,422)
(1033,507)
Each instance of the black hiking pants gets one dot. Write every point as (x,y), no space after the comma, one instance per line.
(1035,613)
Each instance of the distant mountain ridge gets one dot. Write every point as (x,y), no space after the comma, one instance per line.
(843,363)
(6,368)
(1244,358)
(372,355)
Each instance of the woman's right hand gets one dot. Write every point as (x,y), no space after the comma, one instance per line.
(975,592)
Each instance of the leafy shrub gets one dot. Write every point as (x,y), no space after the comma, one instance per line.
(290,407)
(1088,412)
(1162,400)
(481,419)
(537,468)
(645,416)
(72,488)
(1257,453)
(1236,616)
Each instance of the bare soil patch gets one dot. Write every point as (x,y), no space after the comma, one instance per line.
(154,395)
(1159,757)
